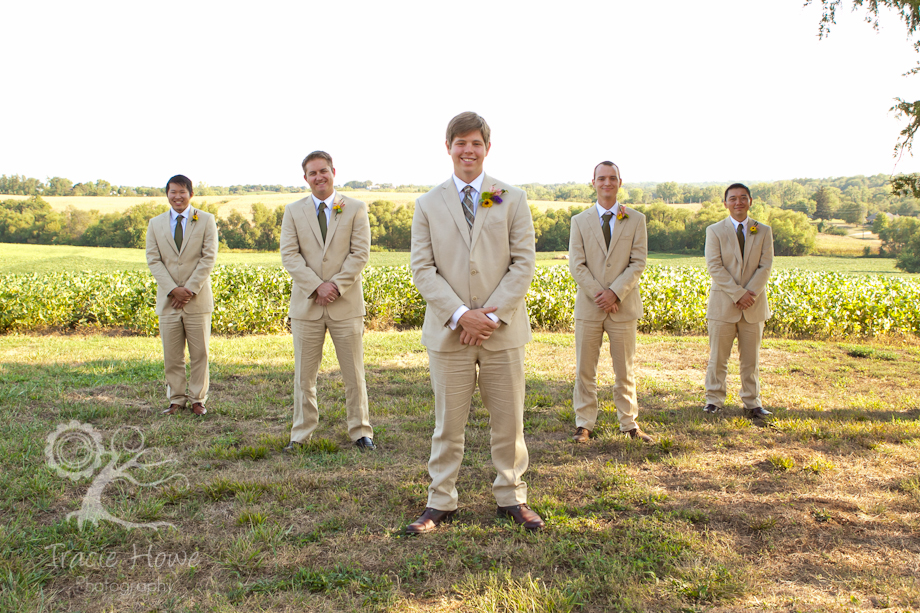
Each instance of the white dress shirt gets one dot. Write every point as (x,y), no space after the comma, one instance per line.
(476,184)
(173,216)
(746,223)
(329,202)
(613,218)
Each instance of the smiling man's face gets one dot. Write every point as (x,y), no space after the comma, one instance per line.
(468,151)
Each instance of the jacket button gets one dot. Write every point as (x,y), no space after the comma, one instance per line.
(475,297)
(473,272)
(325,259)
(608,265)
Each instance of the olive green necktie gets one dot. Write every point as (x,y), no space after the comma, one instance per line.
(321,217)
(741,238)
(606,227)
(178,234)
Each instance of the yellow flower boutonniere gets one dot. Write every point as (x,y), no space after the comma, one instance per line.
(195,216)
(622,214)
(337,207)
(493,197)
(753,229)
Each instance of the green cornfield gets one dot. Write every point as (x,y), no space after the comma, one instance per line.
(254,300)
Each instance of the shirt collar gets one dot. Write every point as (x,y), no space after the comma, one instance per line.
(601,210)
(328,200)
(476,183)
(740,223)
(173,214)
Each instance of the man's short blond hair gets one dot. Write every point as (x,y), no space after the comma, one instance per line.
(316,155)
(465,123)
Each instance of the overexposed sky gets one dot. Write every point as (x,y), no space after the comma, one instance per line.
(239,92)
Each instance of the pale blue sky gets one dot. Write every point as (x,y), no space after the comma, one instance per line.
(239,92)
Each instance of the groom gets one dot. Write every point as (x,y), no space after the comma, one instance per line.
(473,260)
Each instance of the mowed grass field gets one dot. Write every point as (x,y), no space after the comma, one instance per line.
(814,510)
(16,258)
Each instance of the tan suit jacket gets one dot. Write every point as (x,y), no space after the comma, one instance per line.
(596,268)
(732,275)
(491,266)
(312,262)
(189,267)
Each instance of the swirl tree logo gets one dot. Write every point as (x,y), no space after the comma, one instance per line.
(76,451)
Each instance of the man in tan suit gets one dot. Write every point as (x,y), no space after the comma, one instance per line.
(473,260)
(739,255)
(608,247)
(325,244)
(181,249)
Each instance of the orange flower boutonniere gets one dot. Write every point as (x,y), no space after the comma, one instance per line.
(195,216)
(492,197)
(337,207)
(622,214)
(753,229)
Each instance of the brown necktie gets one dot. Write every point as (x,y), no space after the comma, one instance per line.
(606,227)
(178,234)
(321,218)
(741,238)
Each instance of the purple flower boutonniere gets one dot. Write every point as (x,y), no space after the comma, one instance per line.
(492,197)
(753,229)
(337,207)
(621,213)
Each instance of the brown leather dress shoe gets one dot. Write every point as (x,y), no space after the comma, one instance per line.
(173,409)
(430,520)
(523,515)
(638,433)
(198,409)
(581,435)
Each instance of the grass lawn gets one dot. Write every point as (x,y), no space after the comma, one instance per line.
(816,510)
(16,258)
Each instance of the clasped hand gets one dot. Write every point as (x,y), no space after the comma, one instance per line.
(326,293)
(746,301)
(475,326)
(179,297)
(607,301)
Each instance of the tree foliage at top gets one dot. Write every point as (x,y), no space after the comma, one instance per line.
(909,13)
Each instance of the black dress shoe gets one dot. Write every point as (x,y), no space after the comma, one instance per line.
(293,447)
(711,408)
(430,520)
(365,444)
(523,515)
(759,412)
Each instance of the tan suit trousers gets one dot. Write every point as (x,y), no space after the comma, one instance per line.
(501,384)
(177,330)
(721,337)
(589,336)
(348,339)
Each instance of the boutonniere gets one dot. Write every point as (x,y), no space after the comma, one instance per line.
(492,197)
(195,216)
(337,207)
(622,214)
(753,229)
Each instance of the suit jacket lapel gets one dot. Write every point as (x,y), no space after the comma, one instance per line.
(733,241)
(333,222)
(594,228)
(164,228)
(455,209)
(482,212)
(309,211)
(190,227)
(617,228)
(749,244)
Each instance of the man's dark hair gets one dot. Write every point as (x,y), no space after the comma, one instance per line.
(183,181)
(736,186)
(316,155)
(606,163)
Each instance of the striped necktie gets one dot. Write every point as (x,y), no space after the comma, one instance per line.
(468,206)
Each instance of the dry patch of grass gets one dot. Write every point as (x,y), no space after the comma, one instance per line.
(816,509)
